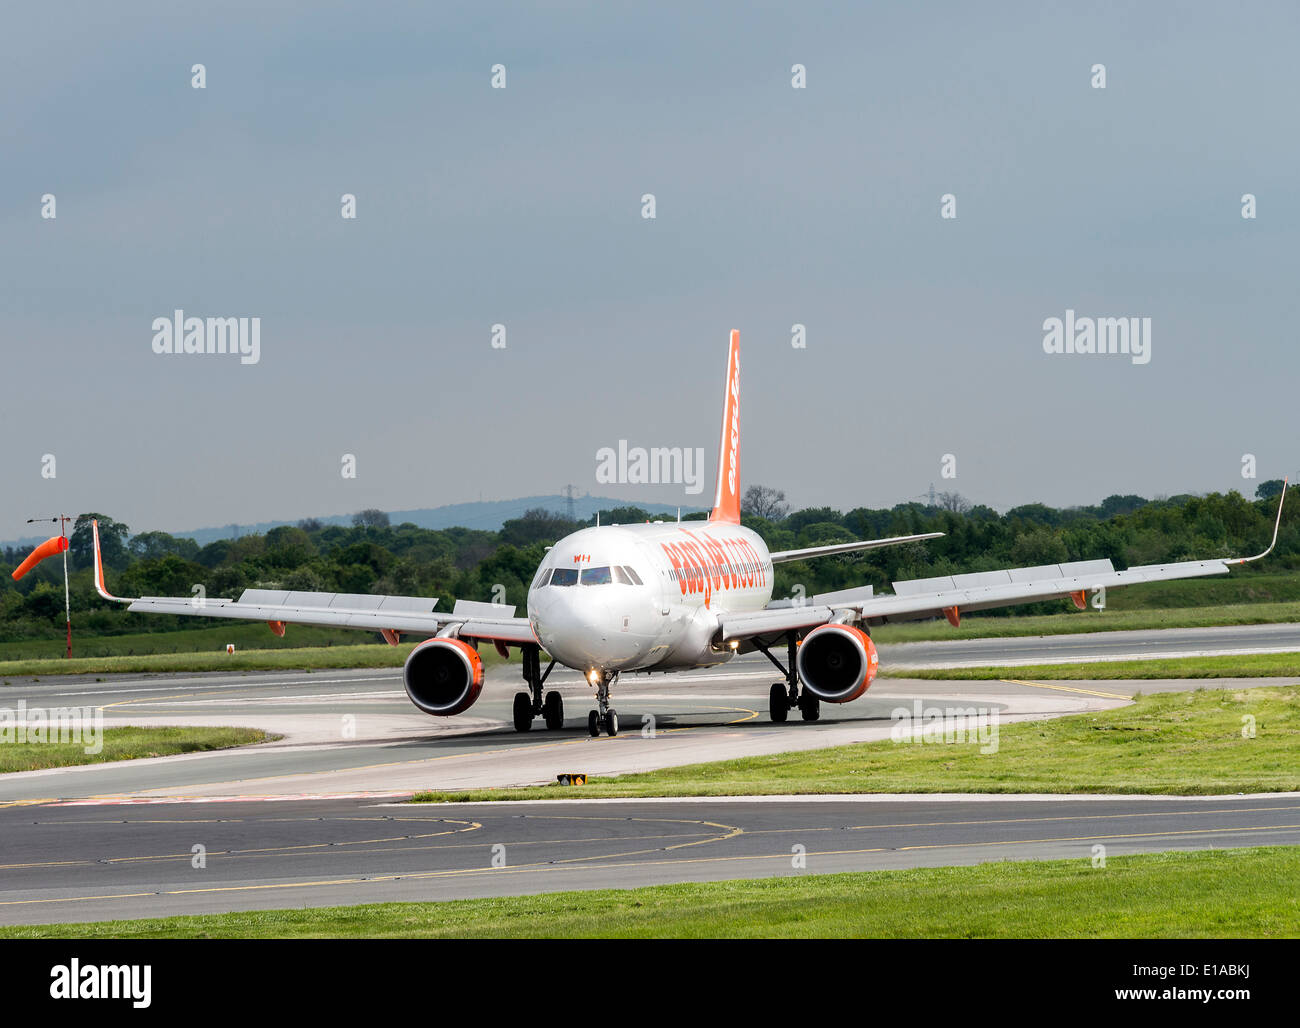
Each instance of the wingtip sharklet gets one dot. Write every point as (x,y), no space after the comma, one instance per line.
(98,564)
(1277,525)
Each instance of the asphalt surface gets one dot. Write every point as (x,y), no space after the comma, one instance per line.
(313,819)
(77,862)
(1147,644)
(355,732)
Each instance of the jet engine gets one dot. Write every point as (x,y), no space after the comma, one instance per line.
(443,676)
(837,662)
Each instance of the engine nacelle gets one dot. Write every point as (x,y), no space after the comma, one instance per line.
(443,676)
(837,663)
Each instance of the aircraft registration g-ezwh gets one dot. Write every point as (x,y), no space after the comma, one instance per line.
(663,597)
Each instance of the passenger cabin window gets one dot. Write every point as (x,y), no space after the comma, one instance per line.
(564,576)
(596,576)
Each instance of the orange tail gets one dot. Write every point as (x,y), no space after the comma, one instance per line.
(726,504)
(51,546)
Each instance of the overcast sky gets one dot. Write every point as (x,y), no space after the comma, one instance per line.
(522,206)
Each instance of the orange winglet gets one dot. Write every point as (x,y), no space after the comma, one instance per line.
(391,636)
(277,627)
(1080,599)
(953,615)
(100,586)
(52,546)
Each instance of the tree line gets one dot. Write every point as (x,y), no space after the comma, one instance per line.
(373,556)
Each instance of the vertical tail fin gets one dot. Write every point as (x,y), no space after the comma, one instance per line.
(726,503)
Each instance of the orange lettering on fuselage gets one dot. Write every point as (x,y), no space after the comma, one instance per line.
(707,563)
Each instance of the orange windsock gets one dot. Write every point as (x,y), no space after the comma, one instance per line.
(51,546)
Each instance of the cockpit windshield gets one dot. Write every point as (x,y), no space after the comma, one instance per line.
(603,575)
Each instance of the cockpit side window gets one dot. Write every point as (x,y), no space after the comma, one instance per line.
(564,576)
(542,574)
(596,576)
(620,576)
(631,574)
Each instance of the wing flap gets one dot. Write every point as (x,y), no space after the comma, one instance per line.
(923,598)
(335,601)
(929,597)
(384,615)
(338,617)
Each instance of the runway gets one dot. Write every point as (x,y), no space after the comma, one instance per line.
(355,732)
(78,862)
(1146,644)
(316,818)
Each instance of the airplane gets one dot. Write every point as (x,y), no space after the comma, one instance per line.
(667,596)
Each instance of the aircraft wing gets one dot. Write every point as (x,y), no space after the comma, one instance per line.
(951,595)
(390,616)
(865,544)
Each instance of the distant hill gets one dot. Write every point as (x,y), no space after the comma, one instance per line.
(487,515)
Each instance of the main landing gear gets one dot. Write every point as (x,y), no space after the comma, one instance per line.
(528,705)
(604,716)
(785,696)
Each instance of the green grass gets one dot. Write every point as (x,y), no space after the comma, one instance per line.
(1246,665)
(1238,893)
(1109,620)
(1240,586)
(305,658)
(125,743)
(1180,743)
(245,635)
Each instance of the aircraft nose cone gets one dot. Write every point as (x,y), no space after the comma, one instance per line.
(578,628)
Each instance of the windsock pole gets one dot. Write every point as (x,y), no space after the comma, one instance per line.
(67,592)
(63,520)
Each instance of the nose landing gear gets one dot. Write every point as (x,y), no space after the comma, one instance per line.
(604,716)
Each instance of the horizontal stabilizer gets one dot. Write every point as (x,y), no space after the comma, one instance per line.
(864,544)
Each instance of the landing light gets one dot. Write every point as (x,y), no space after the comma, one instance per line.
(735,644)
(592,676)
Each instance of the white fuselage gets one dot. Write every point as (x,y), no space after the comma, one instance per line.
(636,597)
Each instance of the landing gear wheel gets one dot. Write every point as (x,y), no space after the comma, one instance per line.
(611,723)
(810,707)
(553,711)
(777,704)
(523,712)
(593,724)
